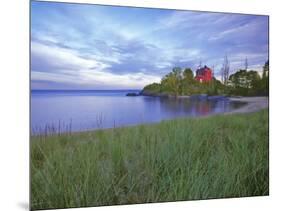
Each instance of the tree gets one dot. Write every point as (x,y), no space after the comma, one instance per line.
(246,64)
(245,82)
(253,79)
(187,84)
(153,88)
(242,82)
(225,70)
(188,74)
(172,81)
(265,70)
(264,86)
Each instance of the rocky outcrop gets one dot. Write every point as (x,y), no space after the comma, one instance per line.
(132,94)
(153,94)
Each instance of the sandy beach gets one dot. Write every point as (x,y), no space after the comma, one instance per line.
(253,104)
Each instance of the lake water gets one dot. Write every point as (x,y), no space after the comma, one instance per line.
(82,110)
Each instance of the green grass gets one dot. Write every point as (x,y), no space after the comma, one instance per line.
(183,159)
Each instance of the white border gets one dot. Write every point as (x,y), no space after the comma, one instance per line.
(14,116)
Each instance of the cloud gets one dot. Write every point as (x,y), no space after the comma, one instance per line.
(240,28)
(51,63)
(102,47)
(189,19)
(88,80)
(54,58)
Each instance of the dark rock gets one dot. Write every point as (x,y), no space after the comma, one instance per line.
(131,94)
(146,93)
(153,94)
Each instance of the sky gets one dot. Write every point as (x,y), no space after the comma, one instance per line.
(82,46)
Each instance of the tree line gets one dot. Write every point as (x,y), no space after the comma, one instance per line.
(243,82)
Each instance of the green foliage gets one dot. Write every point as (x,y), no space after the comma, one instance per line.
(264,84)
(188,75)
(215,87)
(242,82)
(154,87)
(265,72)
(180,82)
(182,159)
(172,81)
(188,82)
(249,83)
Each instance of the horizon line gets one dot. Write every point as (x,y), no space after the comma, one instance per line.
(82,89)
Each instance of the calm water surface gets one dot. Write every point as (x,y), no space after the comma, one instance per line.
(83,110)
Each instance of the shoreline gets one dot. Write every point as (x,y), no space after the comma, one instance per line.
(254,104)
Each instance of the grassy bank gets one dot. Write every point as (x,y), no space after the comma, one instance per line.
(183,159)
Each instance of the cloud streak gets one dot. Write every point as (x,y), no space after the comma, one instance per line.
(80,46)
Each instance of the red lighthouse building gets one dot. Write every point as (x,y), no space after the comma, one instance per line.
(204,74)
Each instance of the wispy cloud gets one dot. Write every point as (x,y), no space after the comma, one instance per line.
(102,47)
(66,66)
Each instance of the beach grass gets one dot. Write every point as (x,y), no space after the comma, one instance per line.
(182,159)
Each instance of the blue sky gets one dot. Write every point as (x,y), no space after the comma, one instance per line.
(78,46)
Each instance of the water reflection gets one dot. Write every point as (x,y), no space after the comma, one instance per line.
(91,111)
(196,107)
